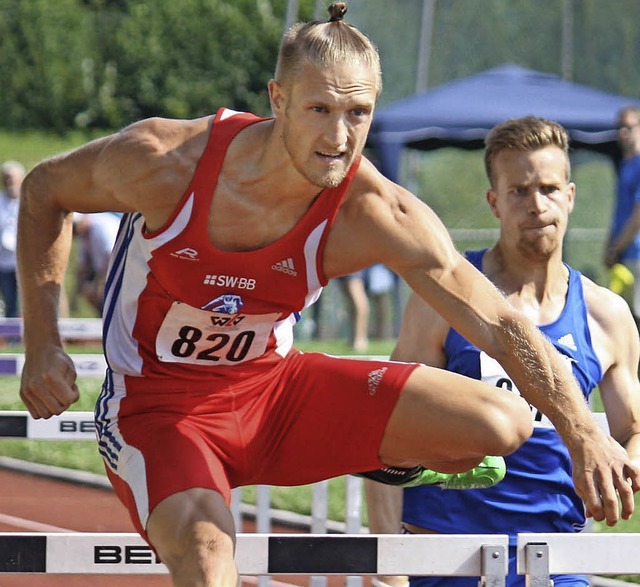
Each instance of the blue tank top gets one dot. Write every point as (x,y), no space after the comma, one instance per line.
(537,492)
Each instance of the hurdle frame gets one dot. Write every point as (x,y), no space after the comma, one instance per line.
(267,554)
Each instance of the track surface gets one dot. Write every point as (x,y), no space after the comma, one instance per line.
(30,503)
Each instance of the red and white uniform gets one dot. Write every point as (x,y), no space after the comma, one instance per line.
(194,335)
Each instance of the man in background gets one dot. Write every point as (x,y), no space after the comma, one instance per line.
(12,176)
(531,195)
(623,245)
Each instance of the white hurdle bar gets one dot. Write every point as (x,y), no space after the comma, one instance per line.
(74,329)
(67,426)
(589,553)
(89,365)
(539,555)
(267,554)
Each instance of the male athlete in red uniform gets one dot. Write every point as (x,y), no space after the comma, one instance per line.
(232,225)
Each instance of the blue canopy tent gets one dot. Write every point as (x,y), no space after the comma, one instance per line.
(461,113)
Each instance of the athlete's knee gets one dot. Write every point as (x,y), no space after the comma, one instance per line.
(509,424)
(193,534)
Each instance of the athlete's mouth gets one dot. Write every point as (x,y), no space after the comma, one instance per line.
(335,157)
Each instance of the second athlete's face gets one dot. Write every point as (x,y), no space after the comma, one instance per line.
(532,198)
(326,115)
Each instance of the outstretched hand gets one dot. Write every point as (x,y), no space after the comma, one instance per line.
(48,384)
(606,480)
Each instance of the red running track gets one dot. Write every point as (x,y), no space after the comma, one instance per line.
(30,503)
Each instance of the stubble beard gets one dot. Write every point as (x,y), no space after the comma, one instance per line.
(327,180)
(539,249)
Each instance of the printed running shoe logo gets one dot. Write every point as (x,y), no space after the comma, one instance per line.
(567,340)
(374,378)
(285,266)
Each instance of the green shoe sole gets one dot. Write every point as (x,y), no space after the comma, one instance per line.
(489,472)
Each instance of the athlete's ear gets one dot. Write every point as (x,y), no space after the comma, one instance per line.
(491,200)
(276,97)
(571,195)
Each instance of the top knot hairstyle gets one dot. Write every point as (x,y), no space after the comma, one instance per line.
(325,43)
(337,11)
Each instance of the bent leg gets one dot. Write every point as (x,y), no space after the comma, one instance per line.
(448,422)
(194,535)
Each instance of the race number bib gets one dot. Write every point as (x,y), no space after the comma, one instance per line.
(201,337)
(492,372)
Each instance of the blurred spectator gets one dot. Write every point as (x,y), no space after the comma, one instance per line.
(623,245)
(12,176)
(380,285)
(96,234)
(354,290)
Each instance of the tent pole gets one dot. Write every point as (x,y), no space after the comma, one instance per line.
(292,14)
(426,33)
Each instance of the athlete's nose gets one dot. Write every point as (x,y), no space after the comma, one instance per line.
(336,135)
(537,202)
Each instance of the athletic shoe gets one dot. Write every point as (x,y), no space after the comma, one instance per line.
(489,472)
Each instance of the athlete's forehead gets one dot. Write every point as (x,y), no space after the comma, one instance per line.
(355,82)
(517,167)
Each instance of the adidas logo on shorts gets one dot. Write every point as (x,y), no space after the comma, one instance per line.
(374,378)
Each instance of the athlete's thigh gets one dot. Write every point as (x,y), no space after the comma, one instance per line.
(326,418)
(161,455)
(443,417)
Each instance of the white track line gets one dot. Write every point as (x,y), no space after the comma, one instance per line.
(30,525)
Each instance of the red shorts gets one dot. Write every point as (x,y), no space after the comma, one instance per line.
(311,417)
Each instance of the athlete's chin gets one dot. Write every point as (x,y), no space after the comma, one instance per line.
(538,250)
(328,180)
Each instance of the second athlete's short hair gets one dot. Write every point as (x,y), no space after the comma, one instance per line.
(525,134)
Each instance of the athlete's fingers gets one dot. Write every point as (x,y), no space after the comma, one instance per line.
(49,393)
(585,487)
(609,497)
(625,491)
(62,392)
(35,407)
(632,475)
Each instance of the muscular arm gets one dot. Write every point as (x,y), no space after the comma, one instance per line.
(406,235)
(615,340)
(123,172)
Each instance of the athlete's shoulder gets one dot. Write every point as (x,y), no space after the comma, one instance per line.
(159,135)
(148,164)
(606,307)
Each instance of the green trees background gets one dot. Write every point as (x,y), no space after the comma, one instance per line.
(104,63)
(74,69)
(78,64)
